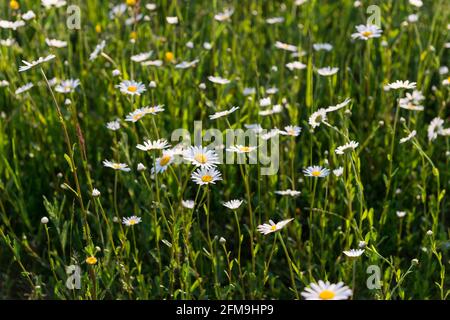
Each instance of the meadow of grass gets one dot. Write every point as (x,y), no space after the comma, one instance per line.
(131,234)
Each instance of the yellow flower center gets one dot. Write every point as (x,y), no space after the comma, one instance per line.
(131,222)
(131,2)
(169,56)
(448,79)
(207,178)
(244,149)
(133,35)
(274,227)
(201,158)
(164,160)
(116,166)
(98,28)
(136,117)
(315,173)
(132,88)
(367,33)
(14,5)
(326,295)
(91,260)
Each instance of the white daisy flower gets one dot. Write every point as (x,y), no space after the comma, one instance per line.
(53,3)
(401,214)
(8,42)
(350,146)
(153,145)
(233,204)
(255,127)
(141,167)
(240,149)
(435,128)
(327,71)
(188,204)
(443,70)
(316,172)
(265,102)
(326,291)
(67,86)
(366,32)
(96,193)
(221,114)
(399,84)
(172,20)
(4,83)
(137,114)
(29,15)
(150,6)
(270,227)
(116,73)
(274,20)
(288,192)
(338,171)
(249,91)
(117,11)
(116,166)
(416,3)
(317,118)
(408,137)
(285,46)
(224,16)
(412,18)
(98,49)
(203,176)
(322,46)
(207,46)
(269,135)
(14,25)
(218,80)
(353,253)
(338,106)
(24,88)
(187,64)
(293,131)
(446,82)
(201,157)
(141,57)
(113,125)
(56,43)
(163,162)
(32,64)
(295,65)
(131,87)
(131,221)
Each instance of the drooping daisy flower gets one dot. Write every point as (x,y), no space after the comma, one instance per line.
(317,118)
(56,43)
(288,192)
(218,80)
(350,146)
(366,32)
(14,25)
(32,64)
(338,106)
(98,49)
(285,46)
(353,253)
(29,15)
(53,3)
(67,86)
(316,172)
(412,101)
(131,221)
(322,46)
(141,57)
(153,63)
(186,64)
(203,176)
(153,145)
(224,16)
(338,171)
(116,166)
(221,114)
(326,291)
(96,193)
(113,125)
(163,162)
(240,149)
(201,157)
(270,227)
(172,20)
(293,131)
(131,87)
(233,204)
(24,88)
(4,83)
(408,137)
(399,84)
(401,214)
(8,42)
(296,65)
(274,20)
(327,71)
(188,204)
(435,128)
